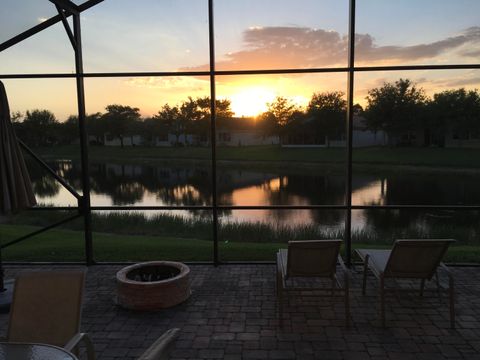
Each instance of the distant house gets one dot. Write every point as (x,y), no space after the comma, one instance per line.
(462,139)
(134,140)
(362,136)
(243,132)
(305,135)
(182,139)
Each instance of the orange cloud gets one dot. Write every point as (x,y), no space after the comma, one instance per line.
(301,47)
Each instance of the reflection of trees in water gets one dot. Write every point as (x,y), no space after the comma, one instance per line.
(126,184)
(318,190)
(46,186)
(128,193)
(390,219)
(435,223)
(295,189)
(433,189)
(330,218)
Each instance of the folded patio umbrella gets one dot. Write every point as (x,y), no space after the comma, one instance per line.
(16,191)
(15,186)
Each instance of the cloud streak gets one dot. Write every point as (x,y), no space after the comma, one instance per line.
(302,47)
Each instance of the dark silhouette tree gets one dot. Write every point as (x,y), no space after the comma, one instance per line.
(327,111)
(121,121)
(189,116)
(358,109)
(170,117)
(97,127)
(17,117)
(398,109)
(17,122)
(456,111)
(201,125)
(153,129)
(69,130)
(280,112)
(40,128)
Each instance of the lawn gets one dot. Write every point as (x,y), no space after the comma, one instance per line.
(68,245)
(380,156)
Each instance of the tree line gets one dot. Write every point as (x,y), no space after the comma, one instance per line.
(401,110)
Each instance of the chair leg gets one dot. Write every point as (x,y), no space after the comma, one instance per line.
(279,290)
(422,286)
(280,310)
(382,301)
(347,305)
(334,285)
(365,269)
(451,291)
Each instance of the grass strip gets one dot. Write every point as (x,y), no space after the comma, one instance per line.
(68,245)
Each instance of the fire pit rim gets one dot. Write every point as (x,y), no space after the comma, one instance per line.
(122,273)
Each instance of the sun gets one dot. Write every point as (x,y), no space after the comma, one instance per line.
(251,101)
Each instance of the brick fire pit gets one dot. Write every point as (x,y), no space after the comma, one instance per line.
(152,286)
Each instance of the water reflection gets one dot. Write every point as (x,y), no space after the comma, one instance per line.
(190,184)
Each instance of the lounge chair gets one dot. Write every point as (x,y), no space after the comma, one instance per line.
(408,259)
(159,349)
(47,308)
(311,259)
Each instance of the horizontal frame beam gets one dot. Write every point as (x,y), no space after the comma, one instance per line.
(266,207)
(245,72)
(193,263)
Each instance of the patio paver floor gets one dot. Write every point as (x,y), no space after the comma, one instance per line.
(231,315)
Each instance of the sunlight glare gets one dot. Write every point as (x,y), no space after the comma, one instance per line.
(251,101)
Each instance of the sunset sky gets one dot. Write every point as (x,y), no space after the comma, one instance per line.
(170,35)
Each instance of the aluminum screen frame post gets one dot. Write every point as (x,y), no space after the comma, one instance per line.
(350,94)
(85,200)
(213,131)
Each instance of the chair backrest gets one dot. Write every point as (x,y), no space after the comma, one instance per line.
(46,307)
(416,258)
(312,258)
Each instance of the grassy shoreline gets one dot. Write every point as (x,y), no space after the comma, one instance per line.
(176,225)
(429,158)
(68,245)
(190,240)
(125,236)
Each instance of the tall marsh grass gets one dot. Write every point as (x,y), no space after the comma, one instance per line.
(200,227)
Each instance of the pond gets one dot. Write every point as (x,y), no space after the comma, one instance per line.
(189,183)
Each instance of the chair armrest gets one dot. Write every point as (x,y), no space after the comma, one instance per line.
(158,350)
(75,340)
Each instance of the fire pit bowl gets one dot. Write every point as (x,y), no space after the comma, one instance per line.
(153,285)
